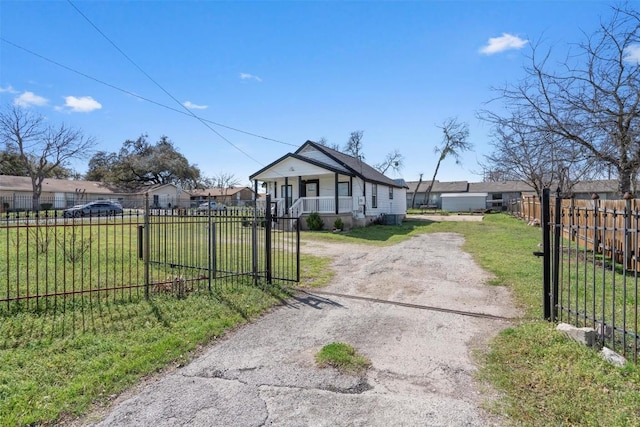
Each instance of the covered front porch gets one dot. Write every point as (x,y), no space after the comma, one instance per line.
(326,194)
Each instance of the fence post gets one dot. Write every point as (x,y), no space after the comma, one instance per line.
(596,222)
(627,235)
(267,238)
(557,228)
(546,258)
(146,246)
(254,241)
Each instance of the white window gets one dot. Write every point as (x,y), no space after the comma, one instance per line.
(374,195)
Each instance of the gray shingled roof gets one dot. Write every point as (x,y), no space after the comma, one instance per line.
(500,187)
(218,191)
(603,186)
(357,166)
(23,183)
(439,187)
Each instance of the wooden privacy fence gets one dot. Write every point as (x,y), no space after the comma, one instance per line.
(609,227)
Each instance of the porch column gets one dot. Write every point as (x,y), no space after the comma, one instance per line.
(299,187)
(336,193)
(286,194)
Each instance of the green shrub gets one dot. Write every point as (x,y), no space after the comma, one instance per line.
(46,206)
(338,224)
(314,222)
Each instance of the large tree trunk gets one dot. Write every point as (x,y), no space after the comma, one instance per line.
(433,180)
(413,199)
(624,179)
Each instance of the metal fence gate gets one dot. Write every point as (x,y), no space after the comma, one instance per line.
(189,249)
(591,268)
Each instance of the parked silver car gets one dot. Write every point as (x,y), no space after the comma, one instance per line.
(97,208)
(214,206)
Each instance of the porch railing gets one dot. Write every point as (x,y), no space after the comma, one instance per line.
(326,205)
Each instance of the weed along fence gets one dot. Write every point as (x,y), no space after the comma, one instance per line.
(49,260)
(591,265)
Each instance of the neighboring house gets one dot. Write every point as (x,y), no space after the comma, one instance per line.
(16,193)
(439,188)
(319,179)
(501,194)
(232,196)
(162,196)
(606,189)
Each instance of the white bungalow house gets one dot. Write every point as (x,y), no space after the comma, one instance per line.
(319,179)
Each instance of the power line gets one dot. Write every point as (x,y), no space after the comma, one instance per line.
(128,92)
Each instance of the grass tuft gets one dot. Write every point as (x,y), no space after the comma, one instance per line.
(343,357)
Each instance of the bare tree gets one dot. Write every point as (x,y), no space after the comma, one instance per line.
(539,158)
(454,143)
(353,147)
(325,142)
(394,160)
(225,180)
(593,98)
(42,148)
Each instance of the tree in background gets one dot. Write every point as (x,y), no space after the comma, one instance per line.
(592,99)
(455,137)
(323,141)
(11,164)
(539,158)
(353,146)
(225,180)
(140,164)
(394,160)
(413,199)
(42,149)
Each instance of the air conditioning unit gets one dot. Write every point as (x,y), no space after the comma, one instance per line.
(361,200)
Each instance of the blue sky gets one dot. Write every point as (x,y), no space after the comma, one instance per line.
(287,71)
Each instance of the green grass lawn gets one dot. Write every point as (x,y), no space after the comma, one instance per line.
(57,364)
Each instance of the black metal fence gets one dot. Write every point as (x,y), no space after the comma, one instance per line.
(591,268)
(48,259)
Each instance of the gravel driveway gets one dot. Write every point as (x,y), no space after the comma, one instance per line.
(422,371)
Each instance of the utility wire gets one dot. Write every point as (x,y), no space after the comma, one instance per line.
(189,112)
(58,64)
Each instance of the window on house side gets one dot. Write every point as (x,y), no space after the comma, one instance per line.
(374,195)
(390,193)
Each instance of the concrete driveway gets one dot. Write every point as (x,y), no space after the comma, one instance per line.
(416,310)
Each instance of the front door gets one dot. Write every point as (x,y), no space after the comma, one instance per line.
(311,190)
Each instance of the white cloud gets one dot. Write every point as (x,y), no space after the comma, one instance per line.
(83,104)
(247,76)
(632,53)
(193,106)
(505,42)
(28,99)
(8,89)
